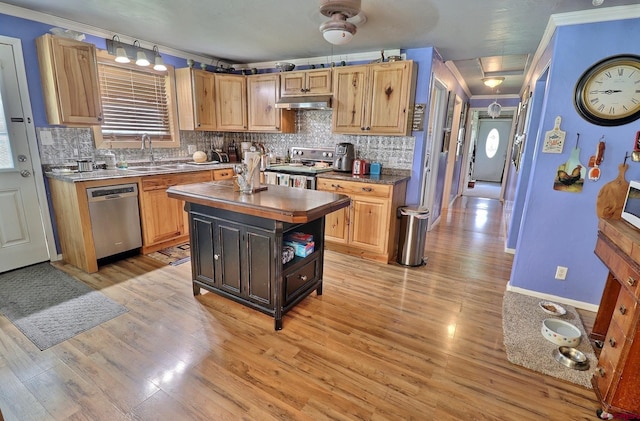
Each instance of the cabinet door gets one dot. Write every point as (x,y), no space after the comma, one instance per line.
(292,83)
(349,94)
(262,94)
(368,227)
(69,75)
(162,217)
(202,253)
(337,226)
(231,102)
(196,101)
(318,81)
(243,257)
(205,111)
(389,98)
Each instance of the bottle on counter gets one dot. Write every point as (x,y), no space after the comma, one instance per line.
(122,162)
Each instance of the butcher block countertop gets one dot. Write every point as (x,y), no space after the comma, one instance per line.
(279,203)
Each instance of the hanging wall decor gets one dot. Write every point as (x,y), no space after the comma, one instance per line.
(570,175)
(596,160)
(554,139)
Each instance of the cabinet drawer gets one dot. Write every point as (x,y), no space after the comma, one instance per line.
(613,344)
(623,269)
(165,181)
(223,174)
(605,377)
(354,187)
(295,282)
(624,311)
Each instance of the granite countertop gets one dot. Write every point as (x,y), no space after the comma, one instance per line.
(374,179)
(133,171)
(279,203)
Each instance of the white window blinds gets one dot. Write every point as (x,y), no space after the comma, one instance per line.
(134,102)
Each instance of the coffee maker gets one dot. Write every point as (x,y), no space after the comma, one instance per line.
(344,155)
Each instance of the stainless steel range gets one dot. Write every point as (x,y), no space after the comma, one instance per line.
(301,172)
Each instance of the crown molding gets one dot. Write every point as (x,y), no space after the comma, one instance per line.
(23,13)
(323,60)
(576,18)
(456,73)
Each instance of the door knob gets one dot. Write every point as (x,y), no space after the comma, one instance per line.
(25,173)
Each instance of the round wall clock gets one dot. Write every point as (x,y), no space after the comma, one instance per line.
(608,93)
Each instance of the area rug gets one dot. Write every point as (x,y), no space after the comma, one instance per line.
(49,306)
(522,321)
(173,256)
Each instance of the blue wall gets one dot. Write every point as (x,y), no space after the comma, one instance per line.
(559,228)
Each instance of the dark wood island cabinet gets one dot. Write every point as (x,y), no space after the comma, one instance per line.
(237,241)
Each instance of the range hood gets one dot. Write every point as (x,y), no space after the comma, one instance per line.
(305,102)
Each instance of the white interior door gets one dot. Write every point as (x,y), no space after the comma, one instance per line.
(491,150)
(437,104)
(22,231)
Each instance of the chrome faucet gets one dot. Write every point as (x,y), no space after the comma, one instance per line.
(147,137)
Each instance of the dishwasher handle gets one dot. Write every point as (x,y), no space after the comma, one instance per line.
(97,194)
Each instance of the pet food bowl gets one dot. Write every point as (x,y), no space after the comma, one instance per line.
(571,357)
(560,332)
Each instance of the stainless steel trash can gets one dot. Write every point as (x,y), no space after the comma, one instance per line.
(414,221)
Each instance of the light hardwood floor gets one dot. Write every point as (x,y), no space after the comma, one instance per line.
(384,342)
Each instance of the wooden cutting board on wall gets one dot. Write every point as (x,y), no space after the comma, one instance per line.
(611,196)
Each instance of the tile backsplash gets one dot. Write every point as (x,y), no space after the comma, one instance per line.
(63,145)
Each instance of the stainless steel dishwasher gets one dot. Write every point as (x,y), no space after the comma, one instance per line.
(115,219)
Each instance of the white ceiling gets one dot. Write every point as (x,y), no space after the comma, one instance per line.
(473,34)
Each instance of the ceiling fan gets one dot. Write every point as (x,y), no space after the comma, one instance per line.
(340,30)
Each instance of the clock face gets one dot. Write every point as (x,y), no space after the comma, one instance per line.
(608,93)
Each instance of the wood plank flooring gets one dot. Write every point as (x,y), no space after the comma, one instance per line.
(384,342)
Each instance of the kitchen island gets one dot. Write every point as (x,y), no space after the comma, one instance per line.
(237,242)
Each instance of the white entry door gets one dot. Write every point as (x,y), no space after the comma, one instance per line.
(491,150)
(22,232)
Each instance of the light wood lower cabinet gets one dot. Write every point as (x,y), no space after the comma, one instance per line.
(164,221)
(369,227)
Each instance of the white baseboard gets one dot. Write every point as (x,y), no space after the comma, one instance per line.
(509,250)
(554,298)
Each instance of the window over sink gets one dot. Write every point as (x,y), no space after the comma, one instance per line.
(135,101)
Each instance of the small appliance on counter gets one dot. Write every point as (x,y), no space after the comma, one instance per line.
(344,156)
(375,168)
(360,167)
(219,156)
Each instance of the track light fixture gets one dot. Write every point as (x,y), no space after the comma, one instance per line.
(141,57)
(121,53)
(125,52)
(158,62)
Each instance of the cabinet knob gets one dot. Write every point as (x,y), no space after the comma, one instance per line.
(336,186)
(367,189)
(601,372)
(631,281)
(303,277)
(216,257)
(612,342)
(622,309)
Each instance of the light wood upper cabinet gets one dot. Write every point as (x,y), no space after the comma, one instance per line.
(262,94)
(305,82)
(374,98)
(231,102)
(69,76)
(196,100)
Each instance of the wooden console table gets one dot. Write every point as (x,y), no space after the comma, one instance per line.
(616,380)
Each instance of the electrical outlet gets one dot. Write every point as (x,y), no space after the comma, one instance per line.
(561,273)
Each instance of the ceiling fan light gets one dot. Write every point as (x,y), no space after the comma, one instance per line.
(338,31)
(492,82)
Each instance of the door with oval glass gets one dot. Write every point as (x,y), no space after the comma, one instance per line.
(22,227)
(491,150)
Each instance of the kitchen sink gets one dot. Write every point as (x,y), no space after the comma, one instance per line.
(153,168)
